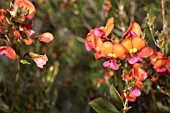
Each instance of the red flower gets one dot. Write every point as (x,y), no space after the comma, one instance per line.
(8,51)
(27,28)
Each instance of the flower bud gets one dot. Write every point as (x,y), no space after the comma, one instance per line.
(46,37)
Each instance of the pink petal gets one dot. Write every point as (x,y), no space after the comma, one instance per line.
(133,60)
(88,47)
(98,32)
(106,63)
(168,70)
(132,34)
(139,59)
(114,65)
(161,69)
(135,91)
(131,99)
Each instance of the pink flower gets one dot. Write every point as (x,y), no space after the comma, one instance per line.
(40,60)
(8,51)
(46,37)
(111,64)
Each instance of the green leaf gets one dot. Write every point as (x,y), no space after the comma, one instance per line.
(116,97)
(101,105)
(24,62)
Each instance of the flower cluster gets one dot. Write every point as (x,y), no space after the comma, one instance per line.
(16,32)
(132,49)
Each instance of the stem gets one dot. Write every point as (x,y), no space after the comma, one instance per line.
(115,79)
(153,37)
(16,85)
(154,101)
(164,23)
(163,17)
(8,39)
(125,105)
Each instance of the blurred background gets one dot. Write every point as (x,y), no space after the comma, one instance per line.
(72,76)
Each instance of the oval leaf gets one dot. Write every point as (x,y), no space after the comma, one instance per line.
(116,97)
(101,105)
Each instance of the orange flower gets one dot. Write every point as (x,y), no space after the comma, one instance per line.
(137,48)
(161,63)
(136,73)
(96,36)
(27,6)
(133,44)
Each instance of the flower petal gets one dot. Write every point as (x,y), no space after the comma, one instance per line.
(145,52)
(114,65)
(109,26)
(98,32)
(161,69)
(106,63)
(106,48)
(88,47)
(133,30)
(8,51)
(135,91)
(133,60)
(46,37)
